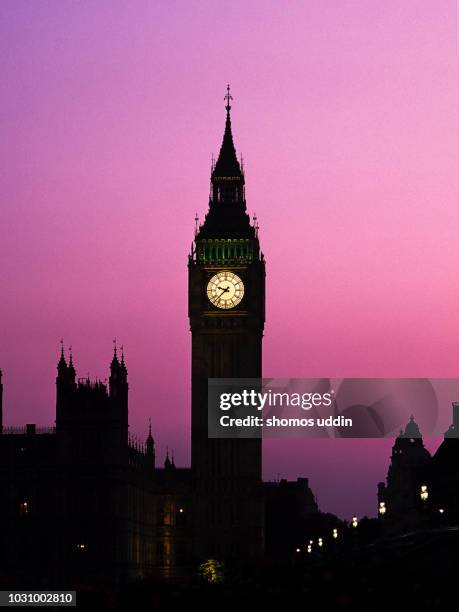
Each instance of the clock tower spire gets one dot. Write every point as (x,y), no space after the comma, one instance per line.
(227,313)
(227,215)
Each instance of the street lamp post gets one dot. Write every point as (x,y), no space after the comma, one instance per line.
(424,495)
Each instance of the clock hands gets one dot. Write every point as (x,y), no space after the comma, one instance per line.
(222,291)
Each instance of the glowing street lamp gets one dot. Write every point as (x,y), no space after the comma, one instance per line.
(441,510)
(309,548)
(320,542)
(335,533)
(382,508)
(424,493)
(355,521)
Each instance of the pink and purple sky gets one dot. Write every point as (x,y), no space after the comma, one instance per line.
(347,116)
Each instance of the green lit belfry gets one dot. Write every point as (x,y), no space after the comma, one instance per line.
(227,314)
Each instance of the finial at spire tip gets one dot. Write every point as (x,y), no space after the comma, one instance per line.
(228,97)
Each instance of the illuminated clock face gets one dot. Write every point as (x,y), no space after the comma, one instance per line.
(225,290)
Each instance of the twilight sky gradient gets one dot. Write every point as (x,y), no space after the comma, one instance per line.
(347,116)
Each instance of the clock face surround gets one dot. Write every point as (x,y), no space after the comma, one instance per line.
(225,290)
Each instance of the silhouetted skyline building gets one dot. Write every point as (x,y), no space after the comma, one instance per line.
(421,489)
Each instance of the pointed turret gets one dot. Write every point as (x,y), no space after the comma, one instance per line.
(167,462)
(65,385)
(150,446)
(62,364)
(71,367)
(118,371)
(123,368)
(118,391)
(115,364)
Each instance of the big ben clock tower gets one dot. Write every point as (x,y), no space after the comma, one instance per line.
(227,313)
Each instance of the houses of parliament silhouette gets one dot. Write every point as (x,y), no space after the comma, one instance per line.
(83,502)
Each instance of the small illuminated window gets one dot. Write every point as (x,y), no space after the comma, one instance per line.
(82,546)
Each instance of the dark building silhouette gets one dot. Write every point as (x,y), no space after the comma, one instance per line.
(291,510)
(421,489)
(406,475)
(78,498)
(444,473)
(86,503)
